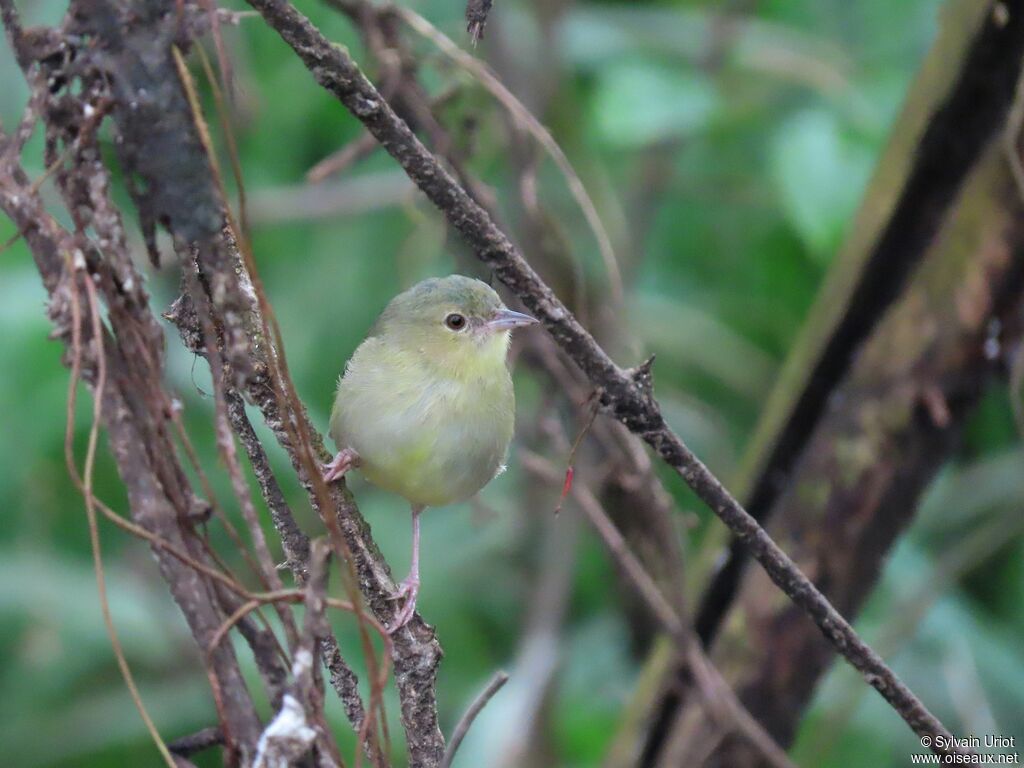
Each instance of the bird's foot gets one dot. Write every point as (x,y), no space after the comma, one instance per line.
(407,591)
(342,462)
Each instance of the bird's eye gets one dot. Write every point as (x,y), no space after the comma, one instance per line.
(455,321)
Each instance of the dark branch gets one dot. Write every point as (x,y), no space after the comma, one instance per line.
(196,742)
(417,652)
(890,242)
(134,411)
(476,18)
(621,395)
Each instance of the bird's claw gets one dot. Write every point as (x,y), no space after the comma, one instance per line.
(407,590)
(343,461)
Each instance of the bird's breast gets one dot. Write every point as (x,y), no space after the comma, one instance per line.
(431,438)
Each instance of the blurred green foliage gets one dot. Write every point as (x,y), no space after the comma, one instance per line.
(731,157)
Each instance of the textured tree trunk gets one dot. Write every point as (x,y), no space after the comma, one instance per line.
(887,428)
(898,348)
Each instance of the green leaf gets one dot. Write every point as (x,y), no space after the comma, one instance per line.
(638,103)
(820,174)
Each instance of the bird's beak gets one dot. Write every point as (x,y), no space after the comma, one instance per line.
(504,319)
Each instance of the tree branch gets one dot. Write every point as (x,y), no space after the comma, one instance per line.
(625,394)
(297,553)
(160,145)
(158,492)
(466,721)
(958,102)
(893,421)
(417,652)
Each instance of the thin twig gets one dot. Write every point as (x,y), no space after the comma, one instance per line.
(196,742)
(87,478)
(524,117)
(229,455)
(308,684)
(360,147)
(288,596)
(466,721)
(300,434)
(626,394)
(714,689)
(301,723)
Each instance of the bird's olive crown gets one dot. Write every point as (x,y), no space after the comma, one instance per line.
(456,302)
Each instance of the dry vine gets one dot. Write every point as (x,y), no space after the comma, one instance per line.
(224,316)
(627,395)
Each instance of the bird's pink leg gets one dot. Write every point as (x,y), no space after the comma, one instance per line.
(342,462)
(410,586)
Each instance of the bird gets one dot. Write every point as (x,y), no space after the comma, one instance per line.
(425,407)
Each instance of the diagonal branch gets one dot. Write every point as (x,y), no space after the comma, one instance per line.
(166,149)
(625,394)
(235,290)
(462,727)
(296,547)
(158,492)
(719,698)
(417,653)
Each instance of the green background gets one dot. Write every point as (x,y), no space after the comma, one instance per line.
(761,152)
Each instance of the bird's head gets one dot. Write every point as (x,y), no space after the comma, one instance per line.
(457,322)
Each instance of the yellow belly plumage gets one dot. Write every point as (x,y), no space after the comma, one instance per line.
(425,408)
(434,434)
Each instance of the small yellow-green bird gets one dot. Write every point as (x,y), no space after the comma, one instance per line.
(425,407)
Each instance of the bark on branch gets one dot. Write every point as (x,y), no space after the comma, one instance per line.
(417,654)
(892,422)
(625,394)
(938,230)
(955,107)
(125,60)
(135,407)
